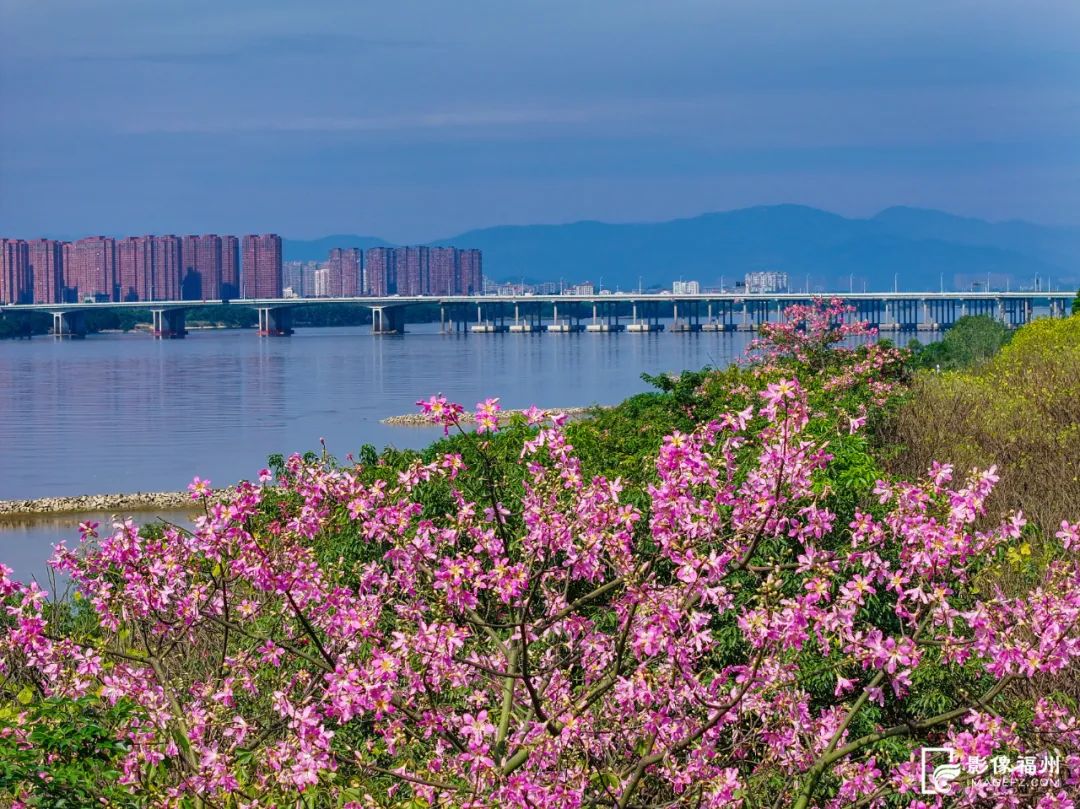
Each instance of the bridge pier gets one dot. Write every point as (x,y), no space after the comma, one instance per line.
(1015,313)
(870,312)
(762,312)
(691,321)
(490,320)
(907,315)
(605,318)
(944,312)
(275,322)
(169,324)
(387,320)
(527,318)
(649,320)
(453,318)
(71,325)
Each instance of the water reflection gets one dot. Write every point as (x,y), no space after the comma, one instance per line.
(26,543)
(127,413)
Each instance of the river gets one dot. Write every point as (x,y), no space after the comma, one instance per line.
(124,412)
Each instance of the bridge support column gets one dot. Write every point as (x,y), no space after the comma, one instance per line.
(169,324)
(387,320)
(454,318)
(69,324)
(275,322)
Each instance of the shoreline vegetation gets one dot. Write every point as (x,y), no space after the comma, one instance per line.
(505,416)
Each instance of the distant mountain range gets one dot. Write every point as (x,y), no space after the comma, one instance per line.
(915,248)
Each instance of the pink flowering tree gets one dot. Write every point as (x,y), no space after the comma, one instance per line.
(810,333)
(724,640)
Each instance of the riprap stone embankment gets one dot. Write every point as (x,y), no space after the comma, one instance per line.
(121,502)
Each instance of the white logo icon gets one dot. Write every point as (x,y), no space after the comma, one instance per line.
(937,778)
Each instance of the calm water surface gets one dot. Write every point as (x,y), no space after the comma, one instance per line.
(120,412)
(128,413)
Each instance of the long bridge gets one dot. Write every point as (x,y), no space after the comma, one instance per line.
(603,312)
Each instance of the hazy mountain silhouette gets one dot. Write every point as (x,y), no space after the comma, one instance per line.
(915,248)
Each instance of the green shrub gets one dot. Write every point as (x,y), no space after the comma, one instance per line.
(1019,410)
(971,340)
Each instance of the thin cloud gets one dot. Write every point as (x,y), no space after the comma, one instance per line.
(269,47)
(436,119)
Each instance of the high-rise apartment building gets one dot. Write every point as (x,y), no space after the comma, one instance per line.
(686,288)
(260,266)
(190,282)
(766,281)
(322,282)
(135,268)
(230,268)
(46,259)
(380,269)
(292,277)
(126,251)
(92,274)
(67,253)
(444,272)
(413,270)
(16,284)
(344,267)
(201,278)
(470,272)
(168,265)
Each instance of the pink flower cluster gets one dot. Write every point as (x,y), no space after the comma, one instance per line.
(807,331)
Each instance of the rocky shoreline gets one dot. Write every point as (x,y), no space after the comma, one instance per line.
(120,502)
(421,420)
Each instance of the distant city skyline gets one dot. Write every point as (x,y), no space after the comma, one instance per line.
(419,120)
(900,247)
(211,267)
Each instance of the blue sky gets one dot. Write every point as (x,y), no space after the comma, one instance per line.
(417,119)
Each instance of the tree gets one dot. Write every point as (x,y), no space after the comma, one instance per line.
(972,339)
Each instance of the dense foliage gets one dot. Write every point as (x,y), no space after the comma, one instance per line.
(13,326)
(709,596)
(972,340)
(1019,410)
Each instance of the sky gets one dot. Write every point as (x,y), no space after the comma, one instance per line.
(419,119)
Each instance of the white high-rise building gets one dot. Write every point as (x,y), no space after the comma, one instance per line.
(322,282)
(765,281)
(686,288)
